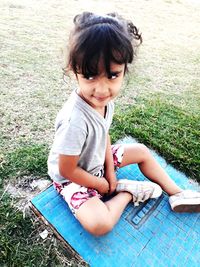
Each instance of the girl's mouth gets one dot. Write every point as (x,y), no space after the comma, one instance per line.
(101,99)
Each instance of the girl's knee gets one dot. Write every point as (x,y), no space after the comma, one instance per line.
(94,217)
(99,227)
(145,151)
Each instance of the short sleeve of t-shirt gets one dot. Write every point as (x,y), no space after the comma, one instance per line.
(69,139)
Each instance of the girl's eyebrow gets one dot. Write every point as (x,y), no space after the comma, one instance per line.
(95,74)
(116,72)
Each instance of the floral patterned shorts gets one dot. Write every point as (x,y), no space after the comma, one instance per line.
(75,195)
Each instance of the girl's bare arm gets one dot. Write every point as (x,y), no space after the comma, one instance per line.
(68,169)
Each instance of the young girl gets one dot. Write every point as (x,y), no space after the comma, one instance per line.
(82,161)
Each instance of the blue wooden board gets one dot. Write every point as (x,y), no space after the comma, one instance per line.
(148,235)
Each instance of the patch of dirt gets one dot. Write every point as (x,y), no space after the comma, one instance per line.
(24,189)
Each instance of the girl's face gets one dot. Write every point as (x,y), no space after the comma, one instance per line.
(98,90)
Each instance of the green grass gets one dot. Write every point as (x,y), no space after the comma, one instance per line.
(168,129)
(19,244)
(25,160)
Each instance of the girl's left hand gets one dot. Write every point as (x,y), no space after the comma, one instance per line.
(112,185)
(112,180)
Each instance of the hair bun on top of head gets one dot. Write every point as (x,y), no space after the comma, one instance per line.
(82,18)
(131,28)
(87,19)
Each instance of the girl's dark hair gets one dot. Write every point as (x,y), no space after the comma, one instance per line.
(109,38)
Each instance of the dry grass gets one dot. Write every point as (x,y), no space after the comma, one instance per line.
(33,34)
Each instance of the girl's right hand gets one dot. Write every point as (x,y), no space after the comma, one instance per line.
(103,187)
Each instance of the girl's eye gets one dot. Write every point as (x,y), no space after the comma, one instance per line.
(89,77)
(112,76)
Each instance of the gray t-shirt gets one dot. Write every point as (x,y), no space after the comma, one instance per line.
(80,130)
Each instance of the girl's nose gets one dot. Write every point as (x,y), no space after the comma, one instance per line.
(102,87)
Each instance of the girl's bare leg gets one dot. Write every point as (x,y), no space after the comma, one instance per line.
(140,154)
(98,217)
